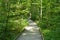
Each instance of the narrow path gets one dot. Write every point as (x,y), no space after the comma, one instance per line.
(31,32)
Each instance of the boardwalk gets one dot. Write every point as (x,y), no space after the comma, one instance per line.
(31,32)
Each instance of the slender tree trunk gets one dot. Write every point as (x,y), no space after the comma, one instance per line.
(41,9)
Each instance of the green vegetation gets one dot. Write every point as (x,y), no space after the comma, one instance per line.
(13,18)
(50,22)
(14,15)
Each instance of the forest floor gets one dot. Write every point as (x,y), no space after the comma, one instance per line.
(31,32)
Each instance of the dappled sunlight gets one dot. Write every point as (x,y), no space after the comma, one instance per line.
(25,34)
(31,28)
(31,32)
(30,18)
(16,21)
(28,28)
(32,23)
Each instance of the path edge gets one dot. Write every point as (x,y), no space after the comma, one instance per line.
(41,33)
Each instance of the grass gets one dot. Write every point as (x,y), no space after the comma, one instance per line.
(52,32)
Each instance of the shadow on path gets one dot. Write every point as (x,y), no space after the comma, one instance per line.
(31,32)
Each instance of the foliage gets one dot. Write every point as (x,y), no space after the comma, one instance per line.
(14,15)
(50,21)
(13,18)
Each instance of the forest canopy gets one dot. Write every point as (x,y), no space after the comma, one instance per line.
(14,17)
